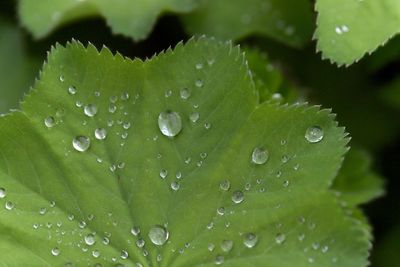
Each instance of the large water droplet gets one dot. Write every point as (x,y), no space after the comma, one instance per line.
(2,192)
(90,110)
(237,197)
(158,235)
(170,123)
(49,122)
(314,134)
(90,239)
(100,133)
(250,240)
(81,143)
(259,156)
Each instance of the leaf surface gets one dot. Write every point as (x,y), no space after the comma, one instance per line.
(347,30)
(134,19)
(136,176)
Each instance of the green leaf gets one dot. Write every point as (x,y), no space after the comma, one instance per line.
(390,94)
(387,250)
(348,29)
(137,176)
(134,19)
(356,182)
(17,69)
(268,80)
(287,21)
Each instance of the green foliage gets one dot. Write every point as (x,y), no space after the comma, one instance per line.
(347,30)
(130,18)
(288,21)
(136,176)
(356,182)
(17,67)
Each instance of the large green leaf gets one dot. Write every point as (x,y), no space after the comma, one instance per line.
(55,195)
(131,18)
(348,29)
(288,21)
(17,67)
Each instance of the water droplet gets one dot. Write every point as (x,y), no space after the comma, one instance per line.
(207,125)
(100,133)
(72,90)
(81,143)
(194,116)
(158,235)
(185,93)
(221,211)
(314,134)
(112,108)
(55,251)
(140,243)
(324,249)
(42,211)
(62,78)
(199,83)
(259,156)
(135,230)
(9,205)
(170,123)
(90,239)
(95,253)
(168,93)
(175,186)
(163,173)
(250,240)
(2,192)
(124,254)
(211,247)
(225,185)
(90,110)
(49,122)
(199,66)
(125,96)
(237,197)
(219,259)
(227,245)
(280,238)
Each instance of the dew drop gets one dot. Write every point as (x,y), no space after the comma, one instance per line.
(90,239)
(194,117)
(81,143)
(135,230)
(140,243)
(250,240)
(49,122)
(259,156)
(227,245)
(219,260)
(237,197)
(199,83)
(62,78)
(100,133)
(225,185)
(314,134)
(211,247)
(90,110)
(199,66)
(9,205)
(185,93)
(2,192)
(158,235)
(55,251)
(280,238)
(175,186)
(124,254)
(170,123)
(72,90)
(163,173)
(95,253)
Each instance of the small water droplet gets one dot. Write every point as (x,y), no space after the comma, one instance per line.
(207,125)
(90,110)
(55,251)
(314,134)
(158,235)
(49,122)
(72,90)
(221,210)
(237,197)
(170,123)
(211,247)
(227,245)
(225,185)
(100,133)
(163,173)
(199,83)
(194,116)
(199,66)
(81,143)
(175,186)
(280,238)
(62,78)
(124,254)
(250,240)
(9,205)
(219,260)
(2,192)
(185,93)
(135,230)
(259,156)
(140,243)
